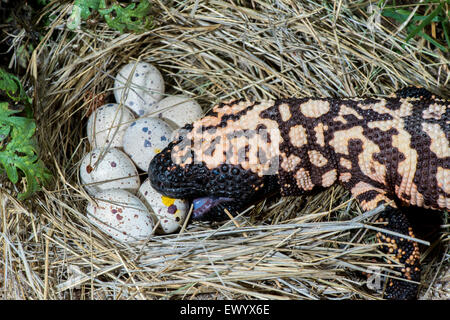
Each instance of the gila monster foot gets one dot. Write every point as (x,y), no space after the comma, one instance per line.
(405,252)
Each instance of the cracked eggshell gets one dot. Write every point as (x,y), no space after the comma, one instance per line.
(144,88)
(170,212)
(114,170)
(179,110)
(107,124)
(144,138)
(121,215)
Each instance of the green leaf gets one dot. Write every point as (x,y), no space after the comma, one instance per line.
(433,41)
(11,171)
(394,14)
(81,9)
(118,17)
(87,7)
(19,151)
(438,15)
(4,131)
(425,22)
(130,18)
(11,87)
(401,15)
(7,119)
(429,39)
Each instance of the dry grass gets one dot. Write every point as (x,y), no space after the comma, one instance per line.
(311,247)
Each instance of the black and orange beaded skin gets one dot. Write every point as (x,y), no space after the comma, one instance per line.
(393,151)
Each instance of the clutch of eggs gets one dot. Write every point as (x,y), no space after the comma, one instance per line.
(123,144)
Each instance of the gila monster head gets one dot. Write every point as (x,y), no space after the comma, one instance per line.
(219,161)
(211,189)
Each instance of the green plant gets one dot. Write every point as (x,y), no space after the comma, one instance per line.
(417,24)
(121,17)
(18,148)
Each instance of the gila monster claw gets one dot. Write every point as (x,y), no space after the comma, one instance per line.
(403,251)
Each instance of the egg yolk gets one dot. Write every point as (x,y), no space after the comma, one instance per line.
(167,201)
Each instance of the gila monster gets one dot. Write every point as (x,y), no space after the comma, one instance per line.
(392,151)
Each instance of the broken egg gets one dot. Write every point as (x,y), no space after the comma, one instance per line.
(170,212)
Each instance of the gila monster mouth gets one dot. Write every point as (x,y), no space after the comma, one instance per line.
(207,208)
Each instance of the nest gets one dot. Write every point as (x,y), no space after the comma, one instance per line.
(311,247)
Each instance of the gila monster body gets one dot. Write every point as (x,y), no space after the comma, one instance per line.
(392,151)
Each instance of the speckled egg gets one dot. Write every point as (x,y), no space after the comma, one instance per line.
(103,169)
(121,215)
(170,212)
(179,110)
(139,86)
(144,138)
(107,124)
